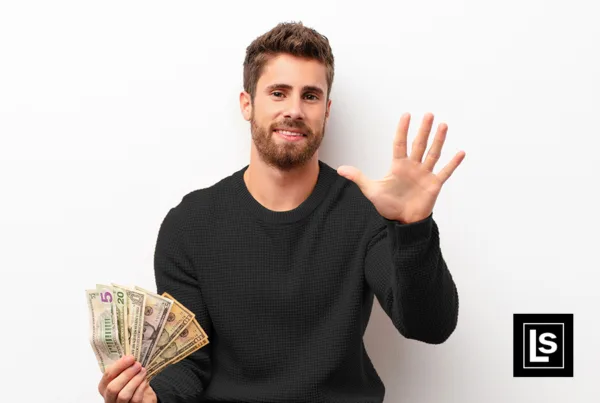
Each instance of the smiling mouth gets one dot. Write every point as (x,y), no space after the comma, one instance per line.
(288,133)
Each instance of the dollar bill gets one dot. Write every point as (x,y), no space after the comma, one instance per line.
(179,318)
(136,303)
(122,322)
(191,339)
(104,338)
(113,306)
(156,313)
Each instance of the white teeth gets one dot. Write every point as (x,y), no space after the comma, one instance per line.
(289,133)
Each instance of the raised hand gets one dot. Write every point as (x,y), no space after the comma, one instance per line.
(409,191)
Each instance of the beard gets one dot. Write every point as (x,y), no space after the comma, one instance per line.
(289,155)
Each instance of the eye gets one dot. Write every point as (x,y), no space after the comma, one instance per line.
(276,92)
(314,97)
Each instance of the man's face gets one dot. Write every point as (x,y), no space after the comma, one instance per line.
(290,94)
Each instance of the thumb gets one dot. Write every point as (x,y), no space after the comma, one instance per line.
(355,175)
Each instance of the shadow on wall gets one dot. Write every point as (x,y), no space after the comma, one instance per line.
(398,361)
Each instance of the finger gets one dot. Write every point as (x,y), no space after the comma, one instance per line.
(114,388)
(138,396)
(447,171)
(353,174)
(401,135)
(112,371)
(435,151)
(130,388)
(420,142)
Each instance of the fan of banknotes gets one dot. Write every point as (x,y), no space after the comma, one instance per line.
(156,329)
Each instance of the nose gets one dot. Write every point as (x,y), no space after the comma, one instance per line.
(294,109)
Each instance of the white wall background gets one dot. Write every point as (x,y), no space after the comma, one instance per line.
(111,111)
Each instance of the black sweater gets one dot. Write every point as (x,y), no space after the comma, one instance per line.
(285,297)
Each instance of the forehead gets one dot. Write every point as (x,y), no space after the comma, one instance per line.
(295,71)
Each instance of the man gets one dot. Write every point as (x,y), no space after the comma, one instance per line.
(281,261)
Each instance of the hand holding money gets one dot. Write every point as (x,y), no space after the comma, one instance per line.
(124,381)
(155,330)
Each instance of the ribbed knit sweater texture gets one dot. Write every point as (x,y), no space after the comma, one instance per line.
(285,296)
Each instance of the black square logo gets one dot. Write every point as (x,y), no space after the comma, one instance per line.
(543,345)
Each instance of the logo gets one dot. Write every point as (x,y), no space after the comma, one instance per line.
(543,345)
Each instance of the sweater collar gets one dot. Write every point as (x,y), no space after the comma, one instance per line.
(325,179)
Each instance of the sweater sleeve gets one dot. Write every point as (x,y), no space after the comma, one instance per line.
(406,271)
(186,380)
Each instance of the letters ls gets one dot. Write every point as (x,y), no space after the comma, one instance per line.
(533,346)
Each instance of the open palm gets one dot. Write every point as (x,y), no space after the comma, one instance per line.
(409,191)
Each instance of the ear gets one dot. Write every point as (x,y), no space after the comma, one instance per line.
(328,109)
(246,105)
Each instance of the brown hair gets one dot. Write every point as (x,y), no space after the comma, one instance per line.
(287,37)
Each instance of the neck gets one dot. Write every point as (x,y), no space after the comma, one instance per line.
(279,190)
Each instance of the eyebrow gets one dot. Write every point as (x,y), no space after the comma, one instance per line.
(306,88)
